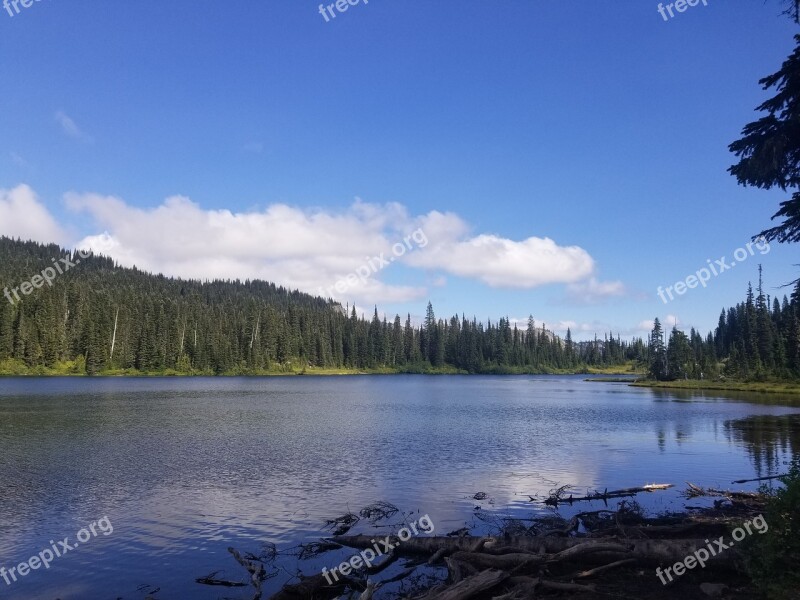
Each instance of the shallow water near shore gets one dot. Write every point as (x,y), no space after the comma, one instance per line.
(185,468)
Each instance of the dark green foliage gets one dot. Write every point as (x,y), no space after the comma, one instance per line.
(756,340)
(772,558)
(158,324)
(759,342)
(658,353)
(792,10)
(680,358)
(769,150)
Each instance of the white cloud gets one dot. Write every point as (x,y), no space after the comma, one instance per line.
(313,249)
(583,331)
(667,323)
(310,250)
(579,331)
(22,215)
(70,128)
(587,330)
(495,261)
(646,325)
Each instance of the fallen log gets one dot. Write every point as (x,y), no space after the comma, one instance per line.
(367,593)
(646,551)
(417,545)
(604,568)
(515,594)
(525,559)
(212,579)
(258,573)
(506,562)
(315,586)
(571,526)
(567,587)
(695,490)
(471,586)
(387,560)
(760,478)
(556,499)
(530,584)
(739,495)
(588,547)
(524,588)
(508,550)
(437,556)
(454,570)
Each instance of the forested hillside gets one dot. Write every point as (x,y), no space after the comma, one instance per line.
(757,339)
(99,318)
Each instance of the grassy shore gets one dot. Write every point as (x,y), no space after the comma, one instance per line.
(13,368)
(629,368)
(77,368)
(767,387)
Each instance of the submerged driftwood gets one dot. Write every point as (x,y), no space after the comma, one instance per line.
(548,558)
(559,496)
(534,550)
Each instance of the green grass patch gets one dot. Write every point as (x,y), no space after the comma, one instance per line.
(767,387)
(629,368)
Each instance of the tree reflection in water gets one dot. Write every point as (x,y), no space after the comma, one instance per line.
(770,440)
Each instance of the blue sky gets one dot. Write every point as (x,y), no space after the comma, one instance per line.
(562,159)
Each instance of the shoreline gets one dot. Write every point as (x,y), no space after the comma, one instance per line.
(767,387)
(72,370)
(613,374)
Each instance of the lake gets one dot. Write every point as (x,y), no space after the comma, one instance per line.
(185,468)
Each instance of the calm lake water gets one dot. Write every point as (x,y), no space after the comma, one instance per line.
(185,468)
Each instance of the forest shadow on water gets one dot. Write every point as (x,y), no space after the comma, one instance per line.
(770,440)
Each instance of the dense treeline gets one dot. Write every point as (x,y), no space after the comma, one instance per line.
(97,317)
(758,339)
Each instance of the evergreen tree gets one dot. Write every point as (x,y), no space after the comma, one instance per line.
(229,327)
(680,361)
(769,150)
(658,354)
